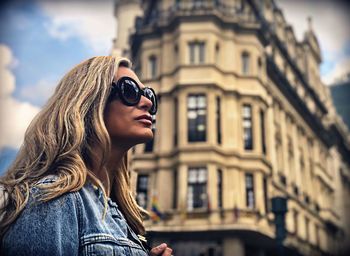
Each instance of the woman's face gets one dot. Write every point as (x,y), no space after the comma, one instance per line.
(128,125)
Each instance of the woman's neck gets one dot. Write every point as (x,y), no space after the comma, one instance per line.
(107,172)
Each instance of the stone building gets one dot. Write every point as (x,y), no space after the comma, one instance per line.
(243,118)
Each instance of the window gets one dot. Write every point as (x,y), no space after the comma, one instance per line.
(219,177)
(197,52)
(295,217)
(197,188)
(247,127)
(245,63)
(196,117)
(176,120)
(266,195)
(249,189)
(262,130)
(154,15)
(307,231)
(198,3)
(218,119)
(175,189)
(142,190)
(152,66)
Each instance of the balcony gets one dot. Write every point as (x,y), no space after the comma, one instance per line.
(231,13)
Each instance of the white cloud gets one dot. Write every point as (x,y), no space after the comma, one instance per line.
(92,21)
(15,116)
(341,69)
(330,22)
(7,82)
(38,93)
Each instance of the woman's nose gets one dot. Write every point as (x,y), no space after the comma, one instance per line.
(145,103)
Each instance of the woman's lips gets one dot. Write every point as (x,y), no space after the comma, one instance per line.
(145,119)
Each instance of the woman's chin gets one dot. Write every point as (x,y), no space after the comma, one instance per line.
(145,137)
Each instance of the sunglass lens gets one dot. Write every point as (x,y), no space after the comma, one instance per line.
(152,97)
(130,91)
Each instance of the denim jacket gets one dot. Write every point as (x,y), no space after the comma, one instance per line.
(71,225)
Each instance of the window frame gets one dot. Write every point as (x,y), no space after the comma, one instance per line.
(246,120)
(250,190)
(197,185)
(195,135)
(196,52)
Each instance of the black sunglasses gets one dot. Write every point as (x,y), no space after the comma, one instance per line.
(130,93)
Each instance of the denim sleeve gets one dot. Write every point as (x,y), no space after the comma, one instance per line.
(45,228)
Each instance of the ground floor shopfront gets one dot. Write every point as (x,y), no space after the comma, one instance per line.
(223,243)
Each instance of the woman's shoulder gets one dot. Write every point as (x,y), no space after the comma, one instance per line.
(81,200)
(49,227)
(40,190)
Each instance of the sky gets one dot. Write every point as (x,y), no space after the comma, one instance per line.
(41,40)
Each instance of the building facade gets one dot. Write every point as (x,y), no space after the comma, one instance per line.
(243,118)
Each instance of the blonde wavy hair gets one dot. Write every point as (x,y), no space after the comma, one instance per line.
(64,138)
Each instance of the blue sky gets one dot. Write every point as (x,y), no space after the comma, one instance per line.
(41,40)
(41,56)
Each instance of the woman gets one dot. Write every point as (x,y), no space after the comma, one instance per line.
(68,191)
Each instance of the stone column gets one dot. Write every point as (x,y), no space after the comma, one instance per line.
(182,187)
(182,122)
(259,192)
